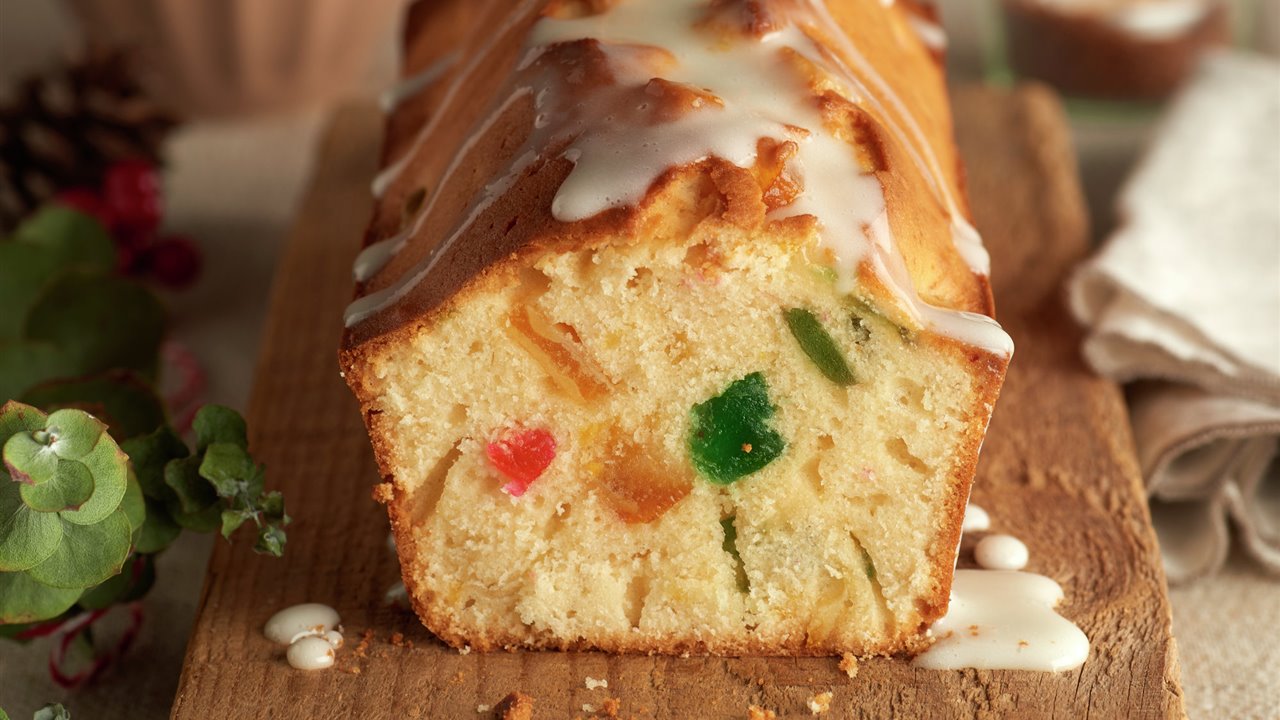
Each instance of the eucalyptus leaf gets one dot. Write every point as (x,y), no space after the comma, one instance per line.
(272,505)
(133,504)
(76,239)
(87,555)
(52,711)
(219,424)
(28,460)
(204,520)
(24,600)
(74,433)
(271,541)
(25,363)
(149,454)
(158,530)
(27,537)
(109,467)
(120,398)
(232,520)
(70,487)
(16,417)
(194,493)
(138,576)
(100,322)
(227,467)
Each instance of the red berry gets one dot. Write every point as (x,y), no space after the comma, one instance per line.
(522,456)
(131,189)
(88,202)
(174,261)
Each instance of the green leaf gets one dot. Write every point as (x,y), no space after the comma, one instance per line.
(227,467)
(272,505)
(52,711)
(149,454)
(120,398)
(271,540)
(219,424)
(70,487)
(133,504)
(819,346)
(109,467)
(15,417)
(76,239)
(100,323)
(137,578)
(87,555)
(158,531)
(24,600)
(232,520)
(194,493)
(24,363)
(28,460)
(74,432)
(27,537)
(730,436)
(204,520)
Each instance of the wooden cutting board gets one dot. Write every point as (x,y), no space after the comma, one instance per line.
(1058,471)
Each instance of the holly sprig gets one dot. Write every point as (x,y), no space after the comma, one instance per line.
(95,481)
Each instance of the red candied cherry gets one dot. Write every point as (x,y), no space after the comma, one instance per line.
(173,261)
(88,202)
(521,455)
(131,189)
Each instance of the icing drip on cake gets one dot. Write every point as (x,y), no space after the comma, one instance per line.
(658,85)
(416,83)
(1000,618)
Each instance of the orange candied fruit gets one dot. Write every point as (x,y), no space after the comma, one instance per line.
(639,484)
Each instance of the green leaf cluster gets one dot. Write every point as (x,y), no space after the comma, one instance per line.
(69,510)
(219,487)
(66,313)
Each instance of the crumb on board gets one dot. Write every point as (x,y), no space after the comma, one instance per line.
(755,712)
(588,708)
(397,639)
(819,704)
(457,678)
(760,681)
(516,706)
(464,650)
(362,650)
(849,664)
(483,708)
(593,683)
(609,708)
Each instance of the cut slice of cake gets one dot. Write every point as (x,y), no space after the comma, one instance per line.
(671,332)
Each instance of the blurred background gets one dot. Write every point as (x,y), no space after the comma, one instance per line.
(228,97)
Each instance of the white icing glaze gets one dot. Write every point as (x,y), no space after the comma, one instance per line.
(312,652)
(929,32)
(1004,620)
(416,83)
(307,618)
(976,519)
(389,174)
(1001,552)
(618,151)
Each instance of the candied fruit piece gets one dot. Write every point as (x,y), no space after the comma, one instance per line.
(639,483)
(730,436)
(557,348)
(730,545)
(521,455)
(819,346)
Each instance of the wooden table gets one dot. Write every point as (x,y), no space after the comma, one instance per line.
(1058,470)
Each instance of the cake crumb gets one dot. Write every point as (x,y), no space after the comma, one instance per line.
(516,706)
(588,708)
(362,650)
(483,708)
(819,704)
(457,678)
(464,650)
(593,683)
(849,664)
(397,639)
(755,712)
(609,708)
(383,493)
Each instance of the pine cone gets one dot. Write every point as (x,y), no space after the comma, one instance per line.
(64,128)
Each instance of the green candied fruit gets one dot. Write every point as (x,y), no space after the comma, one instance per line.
(818,344)
(730,545)
(730,436)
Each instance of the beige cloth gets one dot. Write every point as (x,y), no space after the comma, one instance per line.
(1188,291)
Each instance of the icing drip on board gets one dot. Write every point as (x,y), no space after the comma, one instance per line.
(1001,618)
(620,142)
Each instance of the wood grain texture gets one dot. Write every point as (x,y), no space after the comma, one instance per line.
(1058,471)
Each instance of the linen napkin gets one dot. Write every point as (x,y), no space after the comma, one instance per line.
(1187,292)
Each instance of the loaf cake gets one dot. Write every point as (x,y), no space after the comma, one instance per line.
(1112,49)
(671,333)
